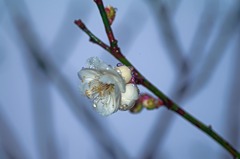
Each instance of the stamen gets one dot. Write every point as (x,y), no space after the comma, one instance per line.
(99,92)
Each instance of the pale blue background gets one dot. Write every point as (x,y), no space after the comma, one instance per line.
(142,43)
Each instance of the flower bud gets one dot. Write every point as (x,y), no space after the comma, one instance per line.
(150,102)
(111,13)
(125,72)
(129,97)
(137,107)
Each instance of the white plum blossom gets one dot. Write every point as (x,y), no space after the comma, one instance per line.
(105,86)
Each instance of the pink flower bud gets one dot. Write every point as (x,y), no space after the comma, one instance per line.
(150,102)
(111,13)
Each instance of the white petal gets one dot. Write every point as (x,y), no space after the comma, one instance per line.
(125,72)
(111,76)
(96,63)
(127,104)
(99,67)
(87,74)
(131,92)
(129,97)
(107,105)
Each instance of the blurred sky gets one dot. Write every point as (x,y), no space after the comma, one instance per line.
(140,40)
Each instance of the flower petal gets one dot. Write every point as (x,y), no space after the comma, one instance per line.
(111,76)
(107,105)
(96,63)
(129,97)
(87,74)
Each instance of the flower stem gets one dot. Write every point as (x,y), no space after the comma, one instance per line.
(176,108)
(93,38)
(168,103)
(111,38)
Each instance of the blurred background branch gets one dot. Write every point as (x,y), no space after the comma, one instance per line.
(27,37)
(185,82)
(10,145)
(168,31)
(232,106)
(42,109)
(66,39)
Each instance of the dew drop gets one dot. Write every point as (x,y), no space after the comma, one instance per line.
(123,107)
(119,64)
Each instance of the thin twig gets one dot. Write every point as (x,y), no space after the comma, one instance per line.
(165,120)
(93,38)
(65,39)
(115,51)
(128,25)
